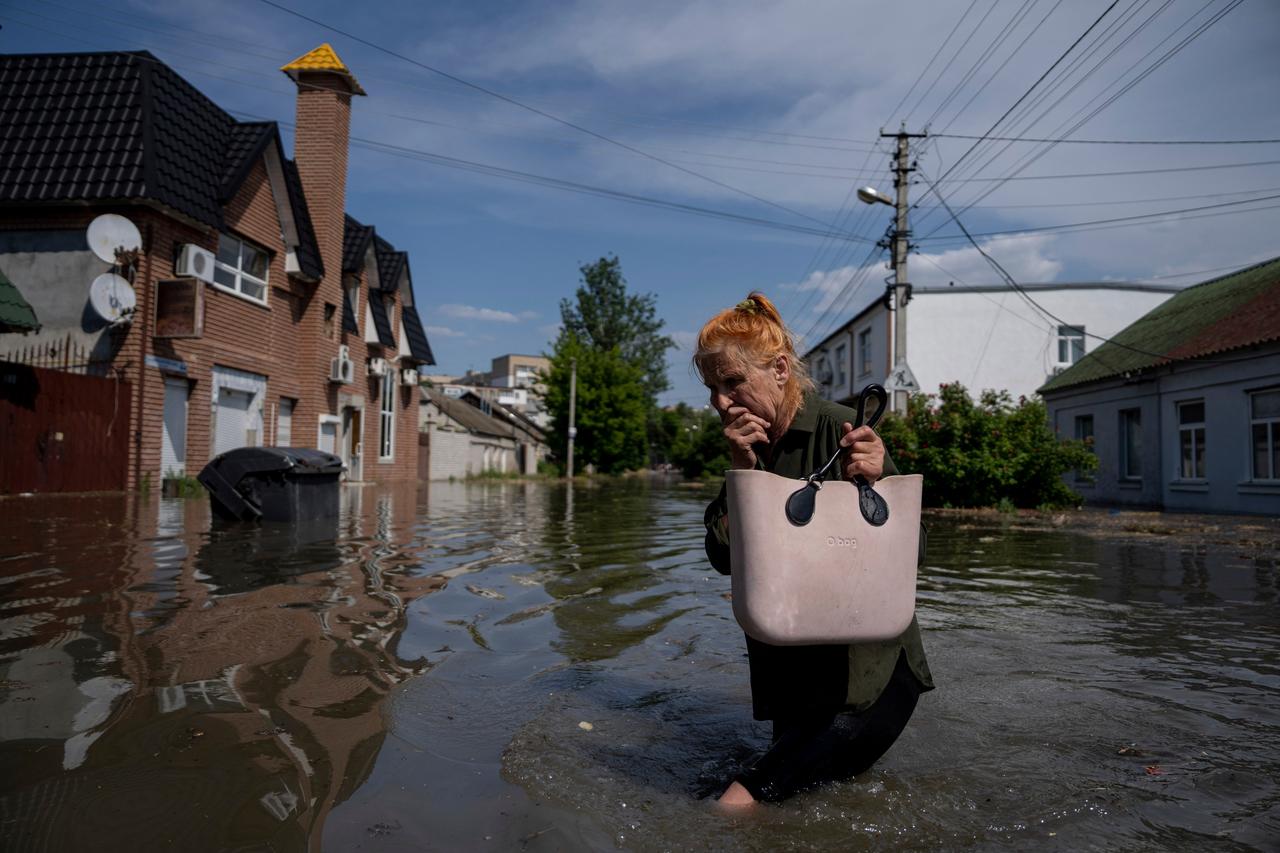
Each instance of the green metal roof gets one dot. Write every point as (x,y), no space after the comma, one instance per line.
(16,315)
(1236,310)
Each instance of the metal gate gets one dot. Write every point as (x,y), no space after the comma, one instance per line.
(60,432)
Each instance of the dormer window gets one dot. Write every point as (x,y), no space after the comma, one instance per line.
(241,268)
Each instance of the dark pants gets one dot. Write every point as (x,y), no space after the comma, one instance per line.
(833,747)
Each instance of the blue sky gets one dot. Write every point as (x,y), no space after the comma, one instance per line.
(771,111)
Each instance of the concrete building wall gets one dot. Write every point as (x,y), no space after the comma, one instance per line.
(1224,389)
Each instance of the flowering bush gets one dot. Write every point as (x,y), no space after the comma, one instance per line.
(985,452)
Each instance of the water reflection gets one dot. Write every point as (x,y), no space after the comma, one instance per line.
(544,667)
(228,679)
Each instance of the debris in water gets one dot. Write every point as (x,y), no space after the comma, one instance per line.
(585,726)
(1154,770)
(1130,750)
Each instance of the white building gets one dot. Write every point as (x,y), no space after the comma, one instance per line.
(984,337)
(1183,409)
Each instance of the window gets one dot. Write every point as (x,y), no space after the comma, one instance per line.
(1191,440)
(241,268)
(1131,444)
(330,311)
(842,358)
(284,422)
(1070,344)
(1264,425)
(864,352)
(387,415)
(1084,432)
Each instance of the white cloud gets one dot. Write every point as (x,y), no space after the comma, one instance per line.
(529,315)
(471,312)
(444,332)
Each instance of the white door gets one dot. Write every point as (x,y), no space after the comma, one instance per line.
(232,427)
(173,445)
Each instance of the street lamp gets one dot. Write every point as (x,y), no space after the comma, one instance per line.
(871,195)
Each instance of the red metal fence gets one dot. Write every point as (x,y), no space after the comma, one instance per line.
(61,432)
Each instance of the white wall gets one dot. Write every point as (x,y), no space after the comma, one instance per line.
(994,339)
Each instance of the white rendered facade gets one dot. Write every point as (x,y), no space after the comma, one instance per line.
(982,337)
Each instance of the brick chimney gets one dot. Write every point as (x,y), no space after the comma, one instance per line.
(325,86)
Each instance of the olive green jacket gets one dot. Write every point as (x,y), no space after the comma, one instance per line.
(787,681)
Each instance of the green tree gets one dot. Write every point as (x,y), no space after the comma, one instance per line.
(611,406)
(980,453)
(604,316)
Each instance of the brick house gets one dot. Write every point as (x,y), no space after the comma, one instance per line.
(297,289)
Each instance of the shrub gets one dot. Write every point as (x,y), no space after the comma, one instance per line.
(991,452)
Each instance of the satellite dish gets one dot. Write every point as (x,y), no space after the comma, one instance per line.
(109,232)
(111,296)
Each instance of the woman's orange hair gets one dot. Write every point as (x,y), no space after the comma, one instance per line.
(752,332)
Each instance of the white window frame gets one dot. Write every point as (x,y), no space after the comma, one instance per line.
(1125,476)
(1273,444)
(1191,427)
(841,360)
(1068,335)
(293,407)
(864,351)
(238,273)
(387,417)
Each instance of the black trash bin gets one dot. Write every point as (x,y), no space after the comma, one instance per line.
(273,484)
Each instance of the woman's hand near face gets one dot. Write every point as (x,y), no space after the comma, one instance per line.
(743,429)
(864,453)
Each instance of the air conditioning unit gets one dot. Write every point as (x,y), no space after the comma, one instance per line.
(409,376)
(342,369)
(195,261)
(377,367)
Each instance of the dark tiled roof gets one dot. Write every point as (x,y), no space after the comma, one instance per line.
(355,242)
(381,321)
(122,127)
(471,418)
(1226,313)
(309,260)
(245,145)
(16,314)
(419,348)
(348,313)
(390,263)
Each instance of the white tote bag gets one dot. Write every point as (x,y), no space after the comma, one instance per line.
(837,578)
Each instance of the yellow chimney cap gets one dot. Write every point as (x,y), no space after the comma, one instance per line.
(323,58)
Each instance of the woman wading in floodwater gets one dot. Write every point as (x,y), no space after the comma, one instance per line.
(835,708)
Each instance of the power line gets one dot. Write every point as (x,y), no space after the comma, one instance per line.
(571,186)
(536,111)
(1092,222)
(1046,312)
(1119,173)
(1112,141)
(1141,76)
(933,58)
(1024,95)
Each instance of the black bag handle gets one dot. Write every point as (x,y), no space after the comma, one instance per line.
(801,503)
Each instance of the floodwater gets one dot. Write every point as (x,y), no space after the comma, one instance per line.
(518,666)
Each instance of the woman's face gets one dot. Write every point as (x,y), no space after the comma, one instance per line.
(734,383)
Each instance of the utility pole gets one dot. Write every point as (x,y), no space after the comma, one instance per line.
(901,380)
(573,403)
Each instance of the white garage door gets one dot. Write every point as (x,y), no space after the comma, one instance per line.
(232,427)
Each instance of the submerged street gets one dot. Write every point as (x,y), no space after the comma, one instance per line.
(527,665)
